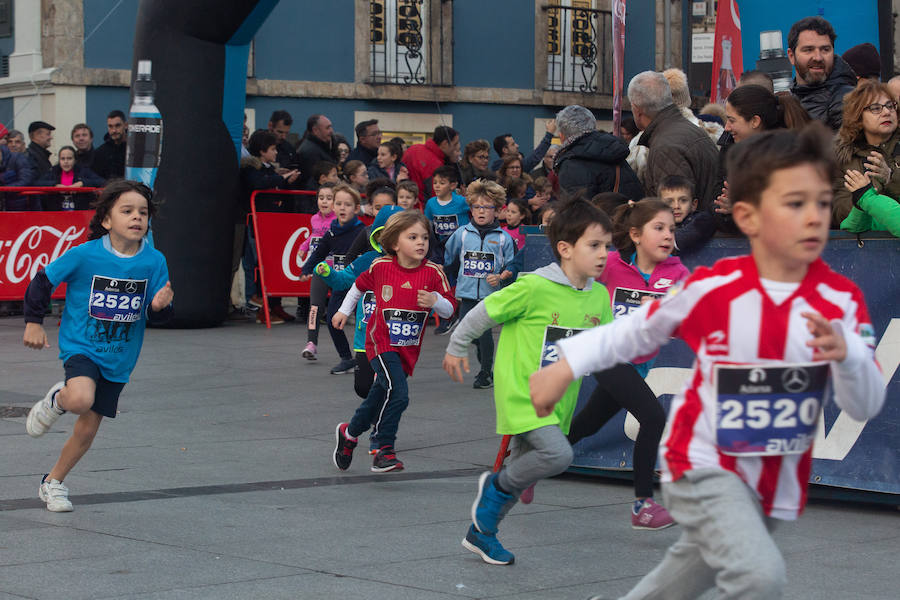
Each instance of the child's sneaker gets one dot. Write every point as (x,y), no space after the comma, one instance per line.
(488,547)
(527,496)
(343,447)
(55,494)
(445,325)
(490,505)
(386,460)
(43,414)
(309,353)
(483,381)
(651,516)
(345,366)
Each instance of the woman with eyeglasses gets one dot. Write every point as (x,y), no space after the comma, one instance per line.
(475,161)
(868,155)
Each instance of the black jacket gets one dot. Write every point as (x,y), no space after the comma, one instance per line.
(286,156)
(825,101)
(109,159)
(313,150)
(82,174)
(82,201)
(40,159)
(85,158)
(589,162)
(258,176)
(694,231)
(363,154)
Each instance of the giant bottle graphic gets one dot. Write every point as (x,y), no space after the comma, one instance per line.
(727,81)
(145,129)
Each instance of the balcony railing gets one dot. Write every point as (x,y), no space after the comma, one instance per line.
(579,48)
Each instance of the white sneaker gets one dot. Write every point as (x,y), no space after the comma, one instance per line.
(56,495)
(42,415)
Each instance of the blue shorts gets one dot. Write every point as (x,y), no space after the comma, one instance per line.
(106,397)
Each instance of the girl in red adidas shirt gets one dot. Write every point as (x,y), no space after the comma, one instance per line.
(406,287)
(769,331)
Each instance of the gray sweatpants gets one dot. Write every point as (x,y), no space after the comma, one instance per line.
(725,543)
(535,455)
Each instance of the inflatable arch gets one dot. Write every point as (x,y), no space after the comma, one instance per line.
(199,51)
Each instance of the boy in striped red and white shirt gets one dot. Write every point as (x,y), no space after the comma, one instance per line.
(772,332)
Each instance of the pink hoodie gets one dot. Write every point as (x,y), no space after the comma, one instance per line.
(319,225)
(627,286)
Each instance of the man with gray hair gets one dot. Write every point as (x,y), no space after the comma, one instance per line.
(591,160)
(675,146)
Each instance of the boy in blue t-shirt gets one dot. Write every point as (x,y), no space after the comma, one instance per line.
(447,211)
(114,281)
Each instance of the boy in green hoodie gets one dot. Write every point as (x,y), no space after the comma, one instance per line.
(554,302)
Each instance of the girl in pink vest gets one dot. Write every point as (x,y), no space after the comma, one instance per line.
(641,268)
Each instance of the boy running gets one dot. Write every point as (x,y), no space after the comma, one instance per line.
(536,311)
(768,329)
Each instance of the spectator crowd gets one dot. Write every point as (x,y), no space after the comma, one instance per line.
(663,150)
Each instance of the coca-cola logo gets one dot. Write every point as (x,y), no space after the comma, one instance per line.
(292,260)
(23,257)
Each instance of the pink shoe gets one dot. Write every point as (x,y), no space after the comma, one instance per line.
(652,516)
(309,353)
(528,495)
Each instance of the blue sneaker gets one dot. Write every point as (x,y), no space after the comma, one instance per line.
(488,547)
(490,505)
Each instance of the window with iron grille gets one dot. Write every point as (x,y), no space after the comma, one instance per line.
(579,47)
(406,42)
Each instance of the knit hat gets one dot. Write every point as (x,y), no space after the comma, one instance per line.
(864,60)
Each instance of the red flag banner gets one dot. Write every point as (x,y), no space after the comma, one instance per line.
(728,63)
(618,27)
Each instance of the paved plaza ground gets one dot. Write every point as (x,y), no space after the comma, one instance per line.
(216,482)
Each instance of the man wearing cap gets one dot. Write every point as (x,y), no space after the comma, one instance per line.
(41,134)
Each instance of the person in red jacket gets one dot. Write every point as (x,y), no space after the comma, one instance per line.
(422,159)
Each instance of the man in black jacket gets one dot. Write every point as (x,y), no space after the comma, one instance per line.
(83,140)
(280,124)
(41,135)
(368,138)
(317,146)
(109,158)
(822,79)
(591,160)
